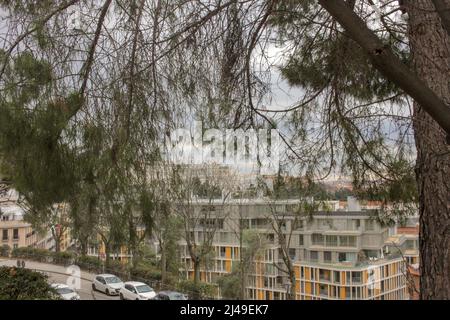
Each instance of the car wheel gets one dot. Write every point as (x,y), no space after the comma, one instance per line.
(107,292)
(93,287)
(121,297)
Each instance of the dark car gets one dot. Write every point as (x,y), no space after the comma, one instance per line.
(170,295)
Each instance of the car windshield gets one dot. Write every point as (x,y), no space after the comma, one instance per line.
(144,289)
(112,280)
(176,296)
(64,290)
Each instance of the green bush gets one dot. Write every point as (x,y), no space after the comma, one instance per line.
(89,263)
(4,250)
(201,289)
(35,254)
(144,272)
(24,284)
(230,286)
(63,257)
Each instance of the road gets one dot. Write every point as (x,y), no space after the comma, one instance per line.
(60,274)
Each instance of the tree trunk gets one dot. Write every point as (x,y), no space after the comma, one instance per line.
(107,255)
(163,264)
(84,246)
(196,261)
(57,244)
(430,45)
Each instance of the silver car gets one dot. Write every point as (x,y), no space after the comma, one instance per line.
(107,283)
(65,292)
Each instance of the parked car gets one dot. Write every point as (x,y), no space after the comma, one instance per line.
(65,292)
(170,295)
(107,283)
(136,291)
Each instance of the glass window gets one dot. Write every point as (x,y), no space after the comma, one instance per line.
(317,239)
(327,256)
(337,276)
(332,241)
(314,255)
(300,240)
(16,234)
(112,280)
(144,288)
(5,234)
(324,275)
(347,241)
(292,253)
(323,290)
(64,290)
(356,277)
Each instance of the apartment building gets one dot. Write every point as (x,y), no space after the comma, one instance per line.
(14,231)
(335,254)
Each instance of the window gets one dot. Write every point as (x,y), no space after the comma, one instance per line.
(130,288)
(356,277)
(410,244)
(5,234)
(347,257)
(347,241)
(222,252)
(327,256)
(323,290)
(300,240)
(356,223)
(332,241)
(324,275)
(337,276)
(347,292)
(292,253)
(314,255)
(317,239)
(15,234)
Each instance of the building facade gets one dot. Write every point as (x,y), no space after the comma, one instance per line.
(14,231)
(335,254)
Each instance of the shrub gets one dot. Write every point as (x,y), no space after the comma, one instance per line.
(24,284)
(89,263)
(147,273)
(35,254)
(63,257)
(4,250)
(201,289)
(230,286)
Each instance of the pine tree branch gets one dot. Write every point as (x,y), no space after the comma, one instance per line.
(388,63)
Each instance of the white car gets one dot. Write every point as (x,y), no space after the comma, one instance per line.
(65,292)
(107,283)
(136,291)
